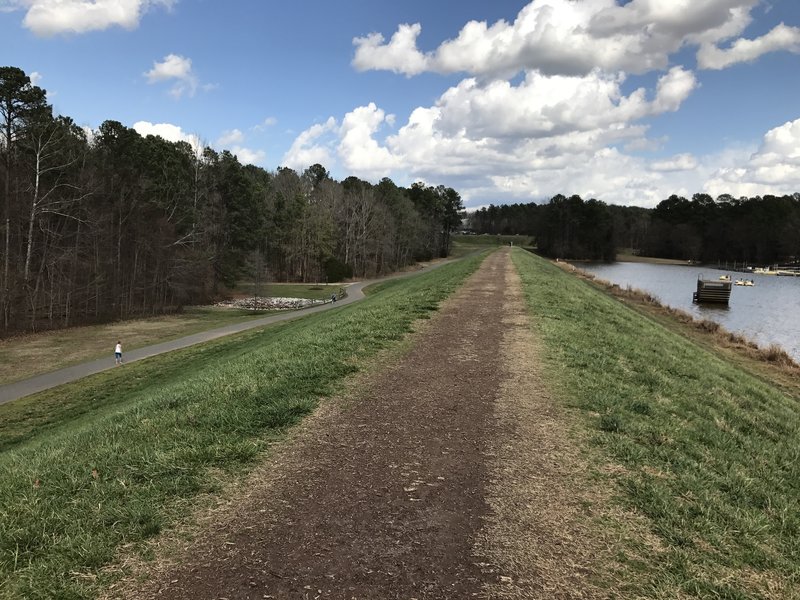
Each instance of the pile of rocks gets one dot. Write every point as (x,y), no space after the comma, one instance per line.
(269,303)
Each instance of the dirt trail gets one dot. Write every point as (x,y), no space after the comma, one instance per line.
(407,491)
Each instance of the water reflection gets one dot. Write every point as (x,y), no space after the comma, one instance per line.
(767,313)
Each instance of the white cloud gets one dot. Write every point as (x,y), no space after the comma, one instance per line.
(359,152)
(52,17)
(233,140)
(248,156)
(679,162)
(234,136)
(773,169)
(563,37)
(399,55)
(35,77)
(310,147)
(178,68)
(468,140)
(744,50)
(266,123)
(543,106)
(569,124)
(673,89)
(171,133)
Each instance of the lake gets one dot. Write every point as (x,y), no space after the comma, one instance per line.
(767,313)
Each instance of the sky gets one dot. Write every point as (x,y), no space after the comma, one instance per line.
(506,101)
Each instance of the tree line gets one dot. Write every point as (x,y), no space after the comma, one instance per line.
(109,224)
(761,230)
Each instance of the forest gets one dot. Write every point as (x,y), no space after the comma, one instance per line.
(757,231)
(107,224)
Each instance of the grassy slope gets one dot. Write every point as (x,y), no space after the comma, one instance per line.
(711,454)
(129,450)
(33,354)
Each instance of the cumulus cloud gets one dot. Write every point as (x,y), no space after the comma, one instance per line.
(544,108)
(773,169)
(399,55)
(233,140)
(311,147)
(248,156)
(171,133)
(744,50)
(359,152)
(234,136)
(35,77)
(52,17)
(679,162)
(560,151)
(563,37)
(174,68)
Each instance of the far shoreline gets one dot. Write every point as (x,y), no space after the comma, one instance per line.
(635,258)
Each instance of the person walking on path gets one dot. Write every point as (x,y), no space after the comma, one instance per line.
(118,353)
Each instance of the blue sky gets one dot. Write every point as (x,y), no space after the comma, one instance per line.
(627,102)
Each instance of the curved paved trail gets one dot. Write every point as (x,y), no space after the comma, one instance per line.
(26,387)
(447,475)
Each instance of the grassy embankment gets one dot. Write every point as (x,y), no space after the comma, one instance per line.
(34,354)
(113,459)
(706,450)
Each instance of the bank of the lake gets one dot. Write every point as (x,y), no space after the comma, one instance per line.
(703,452)
(767,313)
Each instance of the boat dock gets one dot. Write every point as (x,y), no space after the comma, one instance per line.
(713,290)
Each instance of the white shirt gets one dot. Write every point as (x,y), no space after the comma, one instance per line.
(118,348)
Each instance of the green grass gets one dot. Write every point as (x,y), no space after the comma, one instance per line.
(711,453)
(467,244)
(34,354)
(117,458)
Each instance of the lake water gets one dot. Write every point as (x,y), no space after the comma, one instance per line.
(767,313)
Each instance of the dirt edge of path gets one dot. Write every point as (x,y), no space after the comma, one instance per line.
(541,533)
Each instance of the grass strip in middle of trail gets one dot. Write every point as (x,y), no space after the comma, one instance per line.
(72,494)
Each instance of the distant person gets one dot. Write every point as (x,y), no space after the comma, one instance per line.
(333,297)
(118,353)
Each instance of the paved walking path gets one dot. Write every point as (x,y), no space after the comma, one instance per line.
(26,387)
